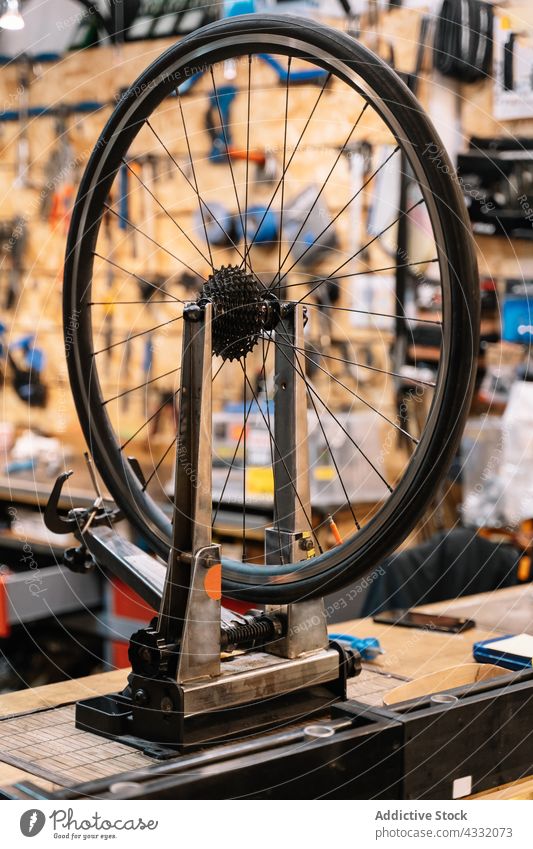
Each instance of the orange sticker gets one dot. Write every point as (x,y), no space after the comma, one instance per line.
(213,581)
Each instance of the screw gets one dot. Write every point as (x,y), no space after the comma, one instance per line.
(167,704)
(211,560)
(140,697)
(306,544)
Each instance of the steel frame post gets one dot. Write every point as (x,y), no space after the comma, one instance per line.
(291,537)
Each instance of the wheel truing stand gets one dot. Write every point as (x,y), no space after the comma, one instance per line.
(180,693)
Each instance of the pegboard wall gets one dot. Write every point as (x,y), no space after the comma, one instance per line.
(52,114)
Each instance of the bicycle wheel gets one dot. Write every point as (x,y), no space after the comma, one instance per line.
(181,180)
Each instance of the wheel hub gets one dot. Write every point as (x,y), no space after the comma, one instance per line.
(242,309)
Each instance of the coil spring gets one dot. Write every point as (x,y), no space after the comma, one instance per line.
(257,629)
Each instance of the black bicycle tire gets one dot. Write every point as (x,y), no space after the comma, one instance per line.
(358,555)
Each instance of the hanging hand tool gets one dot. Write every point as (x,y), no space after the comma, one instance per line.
(149,174)
(27,376)
(261,225)
(61,206)
(13,241)
(124,206)
(217,122)
(22,179)
(266,167)
(57,194)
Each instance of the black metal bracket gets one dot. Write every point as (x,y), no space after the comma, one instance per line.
(53,519)
(79,517)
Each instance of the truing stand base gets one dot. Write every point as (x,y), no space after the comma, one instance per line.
(179,693)
(253,693)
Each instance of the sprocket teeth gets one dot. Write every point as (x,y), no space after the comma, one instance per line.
(238,318)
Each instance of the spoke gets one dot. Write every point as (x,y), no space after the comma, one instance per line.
(167,213)
(239,441)
(174,438)
(371,312)
(356,446)
(279,454)
(159,462)
(291,157)
(367,245)
(360,365)
(324,184)
(326,440)
(136,335)
(201,201)
(140,386)
(247,157)
(231,465)
(368,271)
(228,157)
(355,395)
(127,303)
(154,242)
(151,418)
(193,172)
(137,277)
(337,216)
(280,236)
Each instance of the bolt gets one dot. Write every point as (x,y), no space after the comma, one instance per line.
(192,312)
(167,705)
(306,544)
(352,659)
(140,697)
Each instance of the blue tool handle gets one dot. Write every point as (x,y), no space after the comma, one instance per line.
(368,647)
